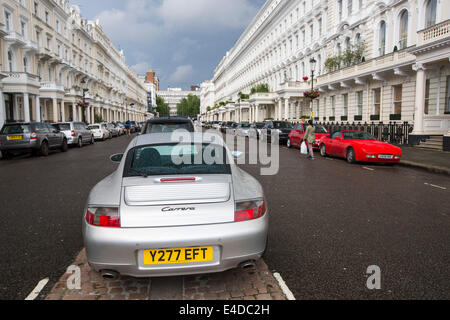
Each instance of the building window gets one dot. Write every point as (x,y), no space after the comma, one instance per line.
(25,64)
(376,102)
(345,100)
(397,106)
(23,29)
(36,8)
(359,103)
(8,21)
(340,10)
(382,39)
(427,96)
(320,26)
(349,7)
(10,61)
(47,15)
(403,30)
(447,97)
(333,106)
(430,18)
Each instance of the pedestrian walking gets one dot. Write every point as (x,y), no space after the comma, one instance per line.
(128,127)
(310,138)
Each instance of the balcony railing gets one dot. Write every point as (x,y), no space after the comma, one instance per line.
(434,33)
(21,78)
(51,86)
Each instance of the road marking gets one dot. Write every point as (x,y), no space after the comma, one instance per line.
(288,293)
(367,168)
(36,291)
(435,186)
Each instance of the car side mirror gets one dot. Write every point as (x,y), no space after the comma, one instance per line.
(237,154)
(116,158)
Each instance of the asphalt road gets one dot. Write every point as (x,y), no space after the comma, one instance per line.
(42,202)
(329,222)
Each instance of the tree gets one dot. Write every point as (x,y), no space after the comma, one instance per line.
(98,118)
(189,106)
(162,107)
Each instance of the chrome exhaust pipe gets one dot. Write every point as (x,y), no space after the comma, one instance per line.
(248,264)
(109,274)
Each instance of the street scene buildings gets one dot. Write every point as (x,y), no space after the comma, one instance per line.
(173,97)
(52,59)
(374,61)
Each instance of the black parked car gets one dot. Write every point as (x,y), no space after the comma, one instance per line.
(161,125)
(31,137)
(227,125)
(282,128)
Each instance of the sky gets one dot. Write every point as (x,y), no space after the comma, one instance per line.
(182,40)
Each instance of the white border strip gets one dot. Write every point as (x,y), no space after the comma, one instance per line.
(284,287)
(435,186)
(36,291)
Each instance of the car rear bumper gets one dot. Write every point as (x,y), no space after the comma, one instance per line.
(20,147)
(121,250)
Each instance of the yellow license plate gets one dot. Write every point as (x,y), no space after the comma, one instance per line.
(14,137)
(177,256)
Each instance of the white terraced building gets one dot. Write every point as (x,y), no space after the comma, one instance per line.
(376,61)
(49,55)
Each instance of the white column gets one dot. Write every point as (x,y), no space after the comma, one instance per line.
(257,113)
(286,109)
(26,107)
(63,111)
(55,110)
(420,99)
(279,108)
(38,109)
(74,112)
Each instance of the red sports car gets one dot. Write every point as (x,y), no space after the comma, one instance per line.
(296,136)
(359,146)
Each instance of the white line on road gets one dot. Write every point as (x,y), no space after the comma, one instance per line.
(36,291)
(435,186)
(288,293)
(370,169)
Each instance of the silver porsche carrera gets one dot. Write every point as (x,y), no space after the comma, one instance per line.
(175,208)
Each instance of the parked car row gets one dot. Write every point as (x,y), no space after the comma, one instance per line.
(38,138)
(354,146)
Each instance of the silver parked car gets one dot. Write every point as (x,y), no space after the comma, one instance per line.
(242,129)
(158,216)
(77,133)
(30,137)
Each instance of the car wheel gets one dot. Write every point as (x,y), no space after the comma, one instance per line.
(43,151)
(323,150)
(288,143)
(103,137)
(6,155)
(351,155)
(64,146)
(80,143)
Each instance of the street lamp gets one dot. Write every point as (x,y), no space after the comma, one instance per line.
(313,68)
(83,87)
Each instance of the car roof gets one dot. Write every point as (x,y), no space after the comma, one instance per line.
(167,119)
(166,138)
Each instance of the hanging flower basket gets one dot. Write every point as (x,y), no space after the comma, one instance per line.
(305,78)
(312,94)
(80,104)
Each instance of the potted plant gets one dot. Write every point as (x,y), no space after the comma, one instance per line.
(312,94)
(305,78)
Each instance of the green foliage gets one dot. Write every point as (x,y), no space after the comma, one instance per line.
(189,106)
(162,107)
(208,109)
(243,96)
(260,88)
(348,58)
(98,118)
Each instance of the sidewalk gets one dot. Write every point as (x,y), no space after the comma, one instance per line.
(434,161)
(252,284)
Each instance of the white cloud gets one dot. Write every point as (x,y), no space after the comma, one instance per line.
(182,74)
(141,67)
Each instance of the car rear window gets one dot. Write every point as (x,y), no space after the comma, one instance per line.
(94,127)
(16,128)
(169,127)
(62,126)
(177,159)
(282,125)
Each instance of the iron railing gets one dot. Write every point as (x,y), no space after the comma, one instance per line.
(392,132)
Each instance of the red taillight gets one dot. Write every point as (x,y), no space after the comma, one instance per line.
(249,210)
(33,136)
(103,217)
(73,133)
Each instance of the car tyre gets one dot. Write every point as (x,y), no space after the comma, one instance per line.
(43,151)
(323,150)
(351,156)
(64,146)
(6,155)
(289,144)
(80,143)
